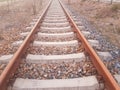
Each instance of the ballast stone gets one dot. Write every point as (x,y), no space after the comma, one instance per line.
(84,83)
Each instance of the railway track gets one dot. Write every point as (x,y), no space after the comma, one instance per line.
(55,55)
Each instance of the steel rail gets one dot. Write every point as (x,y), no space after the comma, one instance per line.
(111,84)
(15,61)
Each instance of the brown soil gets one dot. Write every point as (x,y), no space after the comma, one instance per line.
(13,20)
(104,16)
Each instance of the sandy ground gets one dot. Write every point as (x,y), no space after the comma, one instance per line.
(14,18)
(103,16)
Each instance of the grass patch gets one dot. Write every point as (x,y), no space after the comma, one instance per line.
(118,30)
(109,11)
(83,0)
(106,12)
(115,7)
(1,37)
(2,0)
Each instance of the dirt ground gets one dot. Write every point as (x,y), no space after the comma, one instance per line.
(14,17)
(104,16)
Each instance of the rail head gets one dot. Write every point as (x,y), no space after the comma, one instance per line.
(110,81)
(15,61)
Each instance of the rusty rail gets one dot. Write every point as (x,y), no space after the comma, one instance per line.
(101,68)
(15,61)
